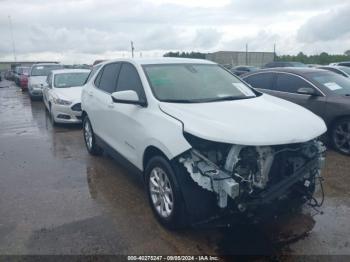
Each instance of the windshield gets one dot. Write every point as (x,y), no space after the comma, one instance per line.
(332,81)
(44,70)
(191,83)
(70,79)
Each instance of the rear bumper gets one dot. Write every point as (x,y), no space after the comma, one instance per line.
(35,92)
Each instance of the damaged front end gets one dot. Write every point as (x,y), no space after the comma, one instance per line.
(252,176)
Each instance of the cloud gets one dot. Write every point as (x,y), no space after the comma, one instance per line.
(74,30)
(329,26)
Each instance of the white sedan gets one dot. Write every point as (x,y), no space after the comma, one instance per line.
(62,94)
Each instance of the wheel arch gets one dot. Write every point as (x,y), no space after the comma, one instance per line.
(150,152)
(335,120)
(83,114)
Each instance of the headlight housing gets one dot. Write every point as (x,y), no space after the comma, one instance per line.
(61,101)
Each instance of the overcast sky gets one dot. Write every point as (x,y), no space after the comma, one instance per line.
(80,31)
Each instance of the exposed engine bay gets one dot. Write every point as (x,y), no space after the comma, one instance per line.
(253,175)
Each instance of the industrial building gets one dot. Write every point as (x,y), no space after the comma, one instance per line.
(235,58)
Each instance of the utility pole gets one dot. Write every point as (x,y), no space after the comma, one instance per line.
(132,49)
(13,40)
(246,53)
(274,51)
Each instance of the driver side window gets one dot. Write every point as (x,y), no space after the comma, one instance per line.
(129,79)
(290,83)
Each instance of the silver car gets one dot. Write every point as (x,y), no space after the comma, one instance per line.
(37,78)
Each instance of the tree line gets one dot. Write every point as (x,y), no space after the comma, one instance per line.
(321,59)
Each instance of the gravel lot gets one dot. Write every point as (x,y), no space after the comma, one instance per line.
(57,199)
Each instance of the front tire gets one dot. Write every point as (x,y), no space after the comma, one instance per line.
(89,138)
(340,136)
(164,194)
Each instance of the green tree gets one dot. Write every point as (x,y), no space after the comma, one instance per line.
(192,54)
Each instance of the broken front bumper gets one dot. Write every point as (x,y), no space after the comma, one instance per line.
(280,189)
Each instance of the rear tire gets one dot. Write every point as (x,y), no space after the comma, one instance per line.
(340,136)
(89,138)
(164,194)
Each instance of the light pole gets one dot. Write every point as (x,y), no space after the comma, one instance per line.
(132,49)
(13,40)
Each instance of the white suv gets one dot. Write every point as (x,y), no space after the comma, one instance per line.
(206,143)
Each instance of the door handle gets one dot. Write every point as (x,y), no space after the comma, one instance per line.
(90,93)
(110,106)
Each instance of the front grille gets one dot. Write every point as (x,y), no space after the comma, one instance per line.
(76,107)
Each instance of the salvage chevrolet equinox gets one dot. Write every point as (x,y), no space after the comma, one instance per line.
(206,144)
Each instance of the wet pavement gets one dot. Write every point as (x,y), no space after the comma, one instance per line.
(57,199)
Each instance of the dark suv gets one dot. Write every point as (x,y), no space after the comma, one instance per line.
(325,93)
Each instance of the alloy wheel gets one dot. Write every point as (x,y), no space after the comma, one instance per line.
(341,137)
(161,192)
(88,134)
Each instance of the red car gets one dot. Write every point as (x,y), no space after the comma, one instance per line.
(23,78)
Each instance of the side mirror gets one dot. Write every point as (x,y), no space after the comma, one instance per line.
(127,97)
(306,91)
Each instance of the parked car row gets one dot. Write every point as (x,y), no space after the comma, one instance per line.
(59,88)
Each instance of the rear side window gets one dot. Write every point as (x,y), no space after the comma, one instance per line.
(290,83)
(263,80)
(129,79)
(107,78)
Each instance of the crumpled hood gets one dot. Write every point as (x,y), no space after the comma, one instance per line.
(265,120)
(69,93)
(37,80)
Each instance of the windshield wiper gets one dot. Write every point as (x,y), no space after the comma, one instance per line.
(179,101)
(229,98)
(205,100)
